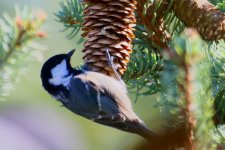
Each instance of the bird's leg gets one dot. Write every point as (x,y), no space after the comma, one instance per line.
(111,64)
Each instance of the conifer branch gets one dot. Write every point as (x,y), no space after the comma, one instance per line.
(160,36)
(12,48)
(17,36)
(186,87)
(216,56)
(184,90)
(72,17)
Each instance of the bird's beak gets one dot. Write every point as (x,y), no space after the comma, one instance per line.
(69,55)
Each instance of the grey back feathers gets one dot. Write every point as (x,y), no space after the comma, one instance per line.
(109,92)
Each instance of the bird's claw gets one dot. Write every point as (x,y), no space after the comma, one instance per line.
(110,60)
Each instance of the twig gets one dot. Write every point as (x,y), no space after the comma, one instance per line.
(12,48)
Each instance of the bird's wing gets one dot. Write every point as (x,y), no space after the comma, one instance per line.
(91,100)
(115,92)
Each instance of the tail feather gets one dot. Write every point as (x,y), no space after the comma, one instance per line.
(145,132)
(133,126)
(138,127)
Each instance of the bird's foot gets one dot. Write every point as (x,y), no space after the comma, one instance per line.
(111,64)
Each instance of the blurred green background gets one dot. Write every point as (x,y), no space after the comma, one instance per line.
(34,110)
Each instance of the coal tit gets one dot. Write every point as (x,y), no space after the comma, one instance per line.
(92,95)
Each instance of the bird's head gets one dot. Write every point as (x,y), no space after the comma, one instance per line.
(56,73)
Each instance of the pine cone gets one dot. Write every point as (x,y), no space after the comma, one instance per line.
(108,24)
(203,16)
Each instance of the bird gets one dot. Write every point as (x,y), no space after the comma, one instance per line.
(92,95)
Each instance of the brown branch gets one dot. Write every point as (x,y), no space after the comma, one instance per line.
(72,21)
(201,15)
(185,88)
(189,101)
(12,48)
(154,23)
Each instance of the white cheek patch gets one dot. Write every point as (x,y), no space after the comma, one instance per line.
(59,73)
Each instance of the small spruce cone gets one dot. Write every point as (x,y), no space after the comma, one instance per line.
(108,24)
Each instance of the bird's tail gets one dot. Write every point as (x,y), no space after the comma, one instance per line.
(141,129)
(133,126)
